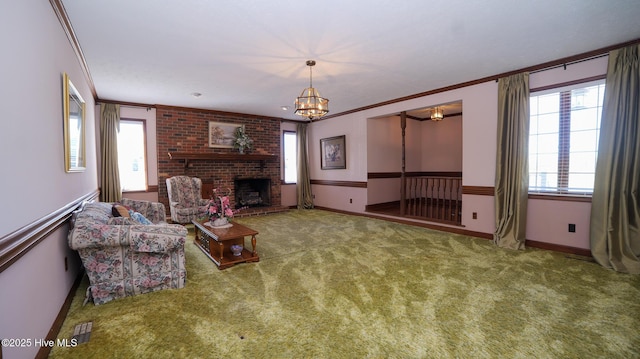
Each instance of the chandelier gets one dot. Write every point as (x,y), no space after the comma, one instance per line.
(310,104)
(437,114)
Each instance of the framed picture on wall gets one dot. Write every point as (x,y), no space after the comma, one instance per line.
(222,134)
(333,153)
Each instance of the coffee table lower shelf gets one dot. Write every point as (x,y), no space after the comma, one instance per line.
(229,259)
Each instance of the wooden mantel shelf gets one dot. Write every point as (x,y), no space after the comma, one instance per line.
(189,156)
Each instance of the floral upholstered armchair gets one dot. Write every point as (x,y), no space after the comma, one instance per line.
(123,257)
(185,199)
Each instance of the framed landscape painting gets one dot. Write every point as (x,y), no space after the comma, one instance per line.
(222,134)
(333,155)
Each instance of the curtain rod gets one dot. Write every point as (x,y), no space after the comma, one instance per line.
(569,60)
(126,104)
(570,63)
(147,107)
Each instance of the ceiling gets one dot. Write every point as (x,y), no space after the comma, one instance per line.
(249,56)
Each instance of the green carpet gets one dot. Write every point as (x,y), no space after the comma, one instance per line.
(330,285)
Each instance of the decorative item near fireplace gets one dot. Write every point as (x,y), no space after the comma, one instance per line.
(252,192)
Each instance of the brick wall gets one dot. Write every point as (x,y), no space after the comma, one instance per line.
(187,130)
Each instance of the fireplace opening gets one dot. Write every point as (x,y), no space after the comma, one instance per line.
(252,192)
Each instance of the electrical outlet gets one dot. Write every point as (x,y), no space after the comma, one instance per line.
(572,227)
(350,200)
(474,215)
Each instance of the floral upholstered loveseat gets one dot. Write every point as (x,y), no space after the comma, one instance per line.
(123,257)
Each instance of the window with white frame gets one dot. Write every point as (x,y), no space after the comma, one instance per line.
(563,138)
(290,155)
(132,159)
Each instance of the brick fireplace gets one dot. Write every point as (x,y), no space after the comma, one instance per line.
(252,192)
(184,132)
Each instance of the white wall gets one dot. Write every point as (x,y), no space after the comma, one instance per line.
(36,52)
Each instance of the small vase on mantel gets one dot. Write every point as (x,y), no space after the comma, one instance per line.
(241,150)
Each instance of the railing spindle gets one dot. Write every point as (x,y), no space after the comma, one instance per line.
(423,198)
(436,198)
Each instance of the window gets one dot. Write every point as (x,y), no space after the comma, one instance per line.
(132,159)
(563,138)
(290,157)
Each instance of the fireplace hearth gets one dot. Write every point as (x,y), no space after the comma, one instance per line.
(252,192)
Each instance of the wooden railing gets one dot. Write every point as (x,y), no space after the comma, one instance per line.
(433,198)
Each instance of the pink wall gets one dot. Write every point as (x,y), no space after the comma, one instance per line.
(548,221)
(342,198)
(485,221)
(442,145)
(384,146)
(355,133)
(384,153)
(33,291)
(430,146)
(478,146)
(34,181)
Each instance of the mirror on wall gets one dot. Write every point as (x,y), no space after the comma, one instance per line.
(74,127)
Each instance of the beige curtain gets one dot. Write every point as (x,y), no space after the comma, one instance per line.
(110,175)
(305,199)
(512,163)
(615,206)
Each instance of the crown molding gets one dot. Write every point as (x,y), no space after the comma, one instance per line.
(61,13)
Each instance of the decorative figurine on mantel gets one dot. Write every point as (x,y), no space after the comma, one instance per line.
(242,141)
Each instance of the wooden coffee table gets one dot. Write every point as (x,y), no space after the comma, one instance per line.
(216,243)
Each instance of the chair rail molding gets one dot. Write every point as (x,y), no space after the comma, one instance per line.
(357,184)
(16,244)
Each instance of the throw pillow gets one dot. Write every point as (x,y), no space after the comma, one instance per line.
(138,217)
(119,210)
